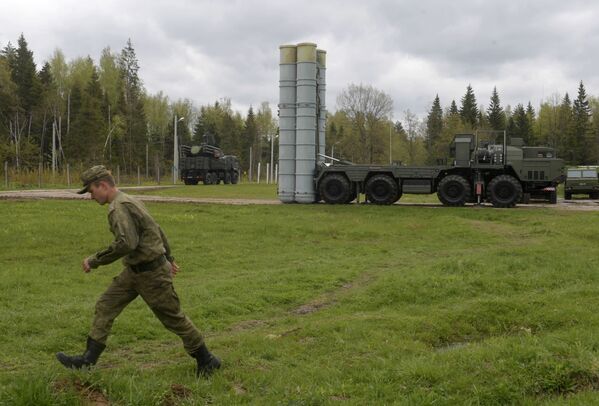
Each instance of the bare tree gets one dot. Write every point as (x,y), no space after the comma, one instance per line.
(366,107)
(414,128)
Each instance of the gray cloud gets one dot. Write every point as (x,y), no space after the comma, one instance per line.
(206,50)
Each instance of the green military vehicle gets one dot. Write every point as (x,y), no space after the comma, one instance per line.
(582,180)
(208,164)
(500,173)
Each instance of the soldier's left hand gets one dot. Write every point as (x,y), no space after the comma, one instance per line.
(174,268)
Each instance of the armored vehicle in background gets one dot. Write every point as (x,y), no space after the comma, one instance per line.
(208,164)
(483,170)
(582,180)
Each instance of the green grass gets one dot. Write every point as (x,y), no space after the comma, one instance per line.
(239,191)
(250,191)
(314,304)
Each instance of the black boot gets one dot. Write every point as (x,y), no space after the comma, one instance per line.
(207,362)
(89,357)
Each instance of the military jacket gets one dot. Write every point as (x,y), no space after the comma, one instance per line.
(137,236)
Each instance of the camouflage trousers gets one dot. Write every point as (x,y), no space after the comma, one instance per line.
(156,289)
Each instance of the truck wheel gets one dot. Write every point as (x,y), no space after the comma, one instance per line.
(335,189)
(235,178)
(227,178)
(567,196)
(382,189)
(454,190)
(208,179)
(504,191)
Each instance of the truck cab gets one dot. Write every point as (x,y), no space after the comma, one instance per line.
(582,180)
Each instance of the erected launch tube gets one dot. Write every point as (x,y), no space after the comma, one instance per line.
(321,57)
(287,122)
(305,133)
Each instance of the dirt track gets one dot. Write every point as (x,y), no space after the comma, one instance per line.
(70,194)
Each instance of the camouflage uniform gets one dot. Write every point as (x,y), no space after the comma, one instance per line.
(139,240)
(147,273)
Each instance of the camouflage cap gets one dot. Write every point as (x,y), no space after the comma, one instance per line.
(91,175)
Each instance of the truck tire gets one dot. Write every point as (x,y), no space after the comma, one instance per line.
(454,190)
(208,180)
(234,178)
(335,189)
(504,191)
(382,189)
(567,196)
(227,178)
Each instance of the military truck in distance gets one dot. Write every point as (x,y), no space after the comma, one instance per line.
(582,180)
(208,164)
(501,174)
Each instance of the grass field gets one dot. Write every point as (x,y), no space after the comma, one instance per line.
(250,191)
(313,305)
(239,191)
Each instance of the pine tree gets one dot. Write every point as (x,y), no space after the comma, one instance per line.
(469,110)
(9,54)
(250,135)
(24,74)
(8,100)
(495,113)
(565,130)
(48,90)
(581,128)
(434,128)
(532,119)
(45,75)
(453,110)
(200,127)
(88,128)
(522,126)
(510,129)
(133,148)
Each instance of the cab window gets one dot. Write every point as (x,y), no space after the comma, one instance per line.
(574,174)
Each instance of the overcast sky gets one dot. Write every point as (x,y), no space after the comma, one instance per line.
(412,50)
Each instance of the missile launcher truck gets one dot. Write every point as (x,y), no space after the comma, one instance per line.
(208,164)
(482,171)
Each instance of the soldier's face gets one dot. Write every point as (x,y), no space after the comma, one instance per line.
(99,192)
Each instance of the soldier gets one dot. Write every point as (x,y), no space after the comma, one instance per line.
(148,272)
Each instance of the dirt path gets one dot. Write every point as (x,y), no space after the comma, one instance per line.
(70,194)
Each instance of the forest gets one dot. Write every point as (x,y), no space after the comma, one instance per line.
(82,112)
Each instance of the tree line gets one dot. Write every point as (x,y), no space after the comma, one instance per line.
(85,112)
(362,129)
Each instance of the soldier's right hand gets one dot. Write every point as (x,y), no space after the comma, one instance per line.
(85,266)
